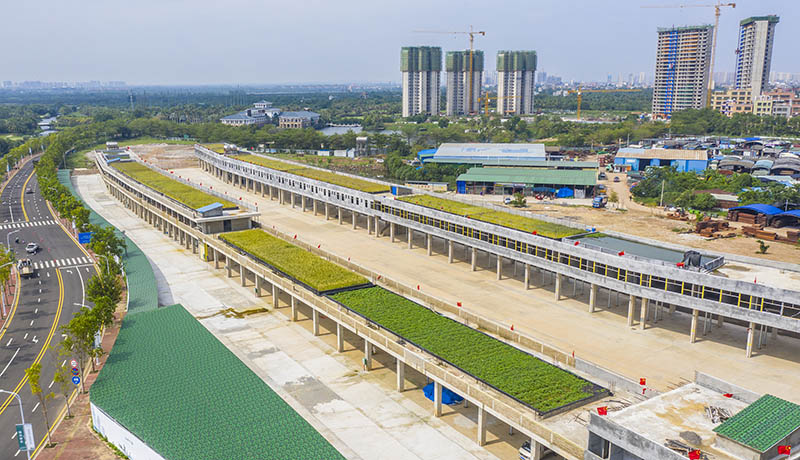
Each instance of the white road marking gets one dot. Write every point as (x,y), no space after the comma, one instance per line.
(34,408)
(65,361)
(9,341)
(32,322)
(48,274)
(39,300)
(9,362)
(51,384)
(36,312)
(14,435)
(16,453)
(26,336)
(34,339)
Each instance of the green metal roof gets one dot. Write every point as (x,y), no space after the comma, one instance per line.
(142,288)
(172,384)
(509,162)
(511,61)
(771,18)
(458,61)
(763,424)
(530,176)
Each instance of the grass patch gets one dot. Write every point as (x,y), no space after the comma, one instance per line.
(324,176)
(183,193)
(542,386)
(294,261)
(525,224)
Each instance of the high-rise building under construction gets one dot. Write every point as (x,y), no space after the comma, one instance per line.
(516,72)
(464,81)
(754,54)
(420,67)
(682,69)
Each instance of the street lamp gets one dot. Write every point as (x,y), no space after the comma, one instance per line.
(8,239)
(3,290)
(22,416)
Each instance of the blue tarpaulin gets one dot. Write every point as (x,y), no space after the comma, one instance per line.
(564,193)
(543,190)
(448,397)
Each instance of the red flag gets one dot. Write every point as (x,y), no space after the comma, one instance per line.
(680,264)
(785,450)
(576,243)
(418,287)
(458,303)
(533,232)
(602,410)
(512,327)
(348,258)
(295,236)
(318,246)
(379,276)
(728,395)
(642,381)
(573,353)
(694,455)
(621,253)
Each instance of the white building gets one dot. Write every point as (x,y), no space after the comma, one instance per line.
(464,81)
(420,68)
(754,54)
(682,69)
(516,72)
(260,114)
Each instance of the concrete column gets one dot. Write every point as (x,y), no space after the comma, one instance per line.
(410,236)
(315,206)
(499,268)
(274,296)
(671,308)
(429,243)
(401,376)
(327,211)
(481,426)
(474,259)
(377,227)
(751,328)
(437,399)
(450,251)
(774,333)
(592,298)
(339,214)
(720,320)
(631,308)
(693,331)
(369,225)
(558,286)
(257,289)
(527,276)
(354,217)
(243,274)
(391,231)
(228,267)
(294,308)
(537,450)
(291,197)
(216,258)
(367,355)
(303,202)
(315,321)
(643,315)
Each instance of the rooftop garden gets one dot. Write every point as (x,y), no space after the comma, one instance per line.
(180,192)
(294,261)
(540,385)
(525,224)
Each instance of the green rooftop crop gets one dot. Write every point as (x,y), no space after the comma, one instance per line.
(294,261)
(324,176)
(525,224)
(542,386)
(183,193)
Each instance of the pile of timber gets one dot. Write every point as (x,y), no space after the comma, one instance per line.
(677,216)
(793,236)
(710,227)
(747,218)
(759,233)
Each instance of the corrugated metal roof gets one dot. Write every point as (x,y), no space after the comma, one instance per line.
(662,154)
(209,207)
(530,176)
(490,150)
(512,162)
(759,208)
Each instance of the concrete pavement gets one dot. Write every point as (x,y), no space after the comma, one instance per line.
(361,409)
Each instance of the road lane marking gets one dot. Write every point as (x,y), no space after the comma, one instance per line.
(22,194)
(32,322)
(14,435)
(65,361)
(36,312)
(34,339)
(26,336)
(9,342)
(35,407)
(9,362)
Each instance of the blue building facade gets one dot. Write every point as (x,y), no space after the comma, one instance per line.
(637,159)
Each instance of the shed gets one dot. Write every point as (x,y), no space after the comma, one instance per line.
(507,181)
(788,218)
(755,214)
(211,210)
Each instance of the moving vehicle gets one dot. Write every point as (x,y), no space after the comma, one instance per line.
(507,200)
(616,179)
(29,190)
(25,268)
(600,201)
(602,176)
(32,248)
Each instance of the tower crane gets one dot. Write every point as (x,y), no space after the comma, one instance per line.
(580,92)
(485,99)
(717,9)
(472,33)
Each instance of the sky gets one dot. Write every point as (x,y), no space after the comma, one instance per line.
(188,42)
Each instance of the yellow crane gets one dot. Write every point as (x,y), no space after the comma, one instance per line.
(472,33)
(486,99)
(717,9)
(580,92)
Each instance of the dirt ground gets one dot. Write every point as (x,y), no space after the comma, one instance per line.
(167,156)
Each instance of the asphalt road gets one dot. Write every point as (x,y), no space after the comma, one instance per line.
(47,300)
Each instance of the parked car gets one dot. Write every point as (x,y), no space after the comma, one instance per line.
(602,176)
(507,200)
(616,179)
(29,190)
(32,248)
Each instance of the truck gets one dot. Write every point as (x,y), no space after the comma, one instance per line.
(25,268)
(600,201)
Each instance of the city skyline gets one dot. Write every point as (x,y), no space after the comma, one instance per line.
(162,42)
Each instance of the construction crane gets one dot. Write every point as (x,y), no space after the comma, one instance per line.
(717,9)
(486,99)
(580,92)
(472,33)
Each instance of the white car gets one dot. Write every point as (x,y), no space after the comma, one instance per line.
(32,248)
(507,200)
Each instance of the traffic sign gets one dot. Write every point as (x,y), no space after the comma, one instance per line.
(76,380)
(25,439)
(73,363)
(84,237)
(75,371)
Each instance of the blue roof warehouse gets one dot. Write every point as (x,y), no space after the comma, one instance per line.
(638,159)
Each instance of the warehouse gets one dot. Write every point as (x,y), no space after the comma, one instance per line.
(638,159)
(484,153)
(561,183)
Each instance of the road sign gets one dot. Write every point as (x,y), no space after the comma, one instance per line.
(73,363)
(84,237)
(76,380)
(25,437)
(75,371)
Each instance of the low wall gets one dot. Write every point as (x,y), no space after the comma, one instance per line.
(119,436)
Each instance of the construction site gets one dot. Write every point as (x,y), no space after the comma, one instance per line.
(634,317)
